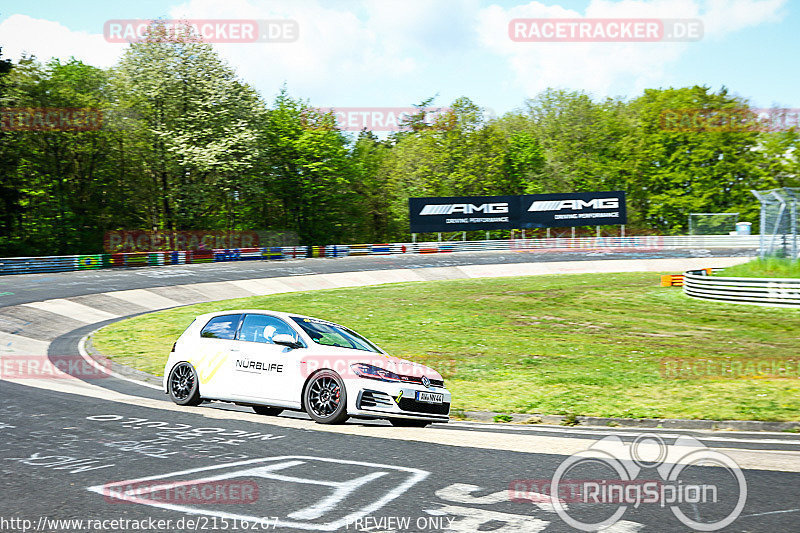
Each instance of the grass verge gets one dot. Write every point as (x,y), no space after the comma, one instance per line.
(770,267)
(570,344)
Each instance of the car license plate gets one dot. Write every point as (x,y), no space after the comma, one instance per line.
(430,397)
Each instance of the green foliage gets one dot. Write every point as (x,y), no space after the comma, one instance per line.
(186,144)
(769,267)
(694,171)
(502,418)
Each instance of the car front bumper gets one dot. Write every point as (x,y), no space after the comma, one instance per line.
(381,399)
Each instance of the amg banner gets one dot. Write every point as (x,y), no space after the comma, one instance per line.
(467,213)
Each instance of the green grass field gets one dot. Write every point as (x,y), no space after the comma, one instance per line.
(570,344)
(770,267)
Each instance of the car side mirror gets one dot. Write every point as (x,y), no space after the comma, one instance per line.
(285,339)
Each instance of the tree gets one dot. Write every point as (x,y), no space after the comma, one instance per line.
(10,210)
(200,127)
(685,170)
(60,176)
(374,188)
(306,169)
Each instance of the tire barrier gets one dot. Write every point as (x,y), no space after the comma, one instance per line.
(676,280)
(773,292)
(30,265)
(33,265)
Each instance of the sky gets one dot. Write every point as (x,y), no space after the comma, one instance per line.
(396,53)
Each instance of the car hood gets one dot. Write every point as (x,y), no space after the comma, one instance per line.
(340,359)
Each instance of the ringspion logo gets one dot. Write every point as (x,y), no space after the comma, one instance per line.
(591,490)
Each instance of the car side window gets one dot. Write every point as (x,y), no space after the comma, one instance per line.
(221,327)
(261,328)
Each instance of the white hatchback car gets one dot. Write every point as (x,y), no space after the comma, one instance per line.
(273,361)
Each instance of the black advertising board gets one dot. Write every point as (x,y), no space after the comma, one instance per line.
(462,213)
(573,209)
(468,213)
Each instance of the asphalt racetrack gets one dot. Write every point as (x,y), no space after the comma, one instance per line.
(115,455)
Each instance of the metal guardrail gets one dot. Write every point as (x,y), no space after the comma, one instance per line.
(773,292)
(30,265)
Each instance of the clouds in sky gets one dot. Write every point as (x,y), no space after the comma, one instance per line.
(21,34)
(602,67)
(364,50)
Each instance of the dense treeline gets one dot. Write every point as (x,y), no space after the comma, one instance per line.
(187,145)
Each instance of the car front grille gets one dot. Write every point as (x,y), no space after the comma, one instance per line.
(412,405)
(418,381)
(371,398)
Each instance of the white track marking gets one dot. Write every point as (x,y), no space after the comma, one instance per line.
(222,290)
(627,432)
(470,520)
(461,493)
(80,312)
(414,476)
(11,344)
(769,512)
(144,298)
(623,526)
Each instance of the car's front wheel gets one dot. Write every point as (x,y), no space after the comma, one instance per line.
(183,385)
(325,398)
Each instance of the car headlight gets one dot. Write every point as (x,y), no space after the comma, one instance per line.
(373,372)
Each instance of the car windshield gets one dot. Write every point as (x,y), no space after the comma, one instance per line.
(329,334)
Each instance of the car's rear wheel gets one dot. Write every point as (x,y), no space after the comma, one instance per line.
(325,398)
(266,410)
(184,388)
(408,423)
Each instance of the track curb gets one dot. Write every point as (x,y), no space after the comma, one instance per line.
(660,423)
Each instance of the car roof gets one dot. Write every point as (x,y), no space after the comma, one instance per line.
(256,311)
